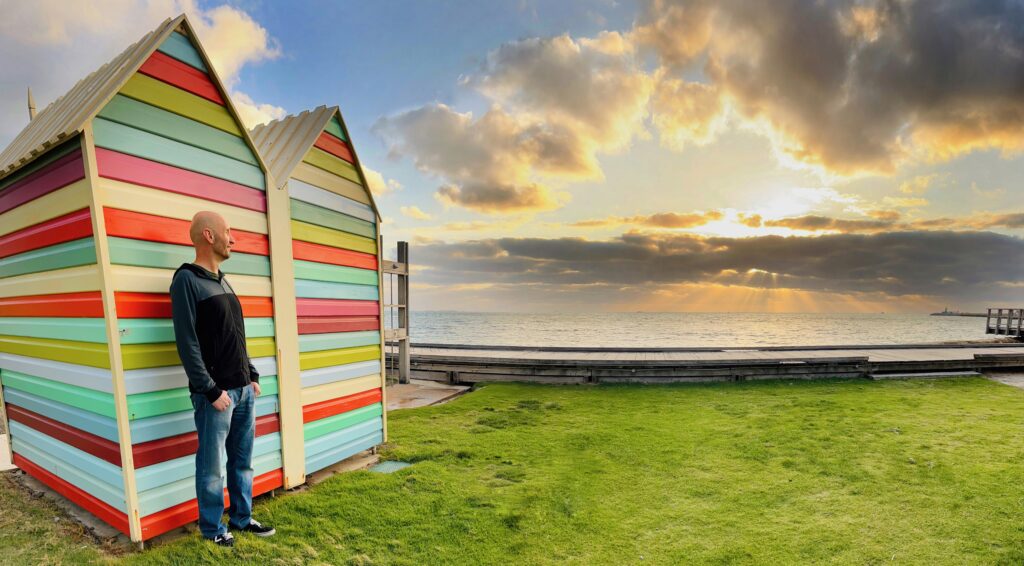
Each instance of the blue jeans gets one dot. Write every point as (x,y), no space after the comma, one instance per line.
(233,430)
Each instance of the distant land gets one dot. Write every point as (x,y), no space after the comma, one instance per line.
(947,312)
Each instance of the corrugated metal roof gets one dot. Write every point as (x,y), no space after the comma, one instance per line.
(67,115)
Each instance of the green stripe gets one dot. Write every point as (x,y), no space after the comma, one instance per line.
(320,158)
(179,47)
(155,403)
(334,128)
(335,340)
(126,251)
(47,158)
(59,256)
(320,216)
(334,273)
(86,399)
(158,93)
(333,423)
(326,290)
(80,329)
(142,116)
(125,139)
(157,330)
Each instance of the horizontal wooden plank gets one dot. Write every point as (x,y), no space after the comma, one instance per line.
(343,447)
(144,173)
(80,397)
(153,280)
(71,145)
(326,254)
(320,158)
(108,514)
(334,146)
(321,376)
(323,198)
(57,328)
(334,308)
(328,324)
(161,203)
(142,116)
(98,379)
(312,214)
(72,226)
(153,228)
(178,46)
(160,94)
(82,420)
(156,330)
(173,377)
(107,473)
(154,403)
(87,442)
(326,358)
(341,397)
(58,203)
(125,139)
(334,273)
(342,436)
(141,253)
(69,351)
(70,280)
(59,256)
(163,426)
(334,128)
(158,305)
(317,177)
(171,71)
(60,173)
(319,428)
(163,449)
(335,340)
(325,290)
(138,356)
(333,238)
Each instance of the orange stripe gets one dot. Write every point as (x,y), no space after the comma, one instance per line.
(128,224)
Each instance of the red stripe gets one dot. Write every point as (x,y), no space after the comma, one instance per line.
(334,146)
(158,305)
(334,256)
(325,324)
(163,449)
(138,171)
(88,304)
(60,173)
(173,517)
(174,72)
(71,226)
(127,224)
(105,512)
(340,405)
(84,441)
(336,307)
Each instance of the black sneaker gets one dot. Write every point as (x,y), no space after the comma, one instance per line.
(224,540)
(257,529)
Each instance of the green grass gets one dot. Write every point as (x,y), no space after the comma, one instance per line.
(851,472)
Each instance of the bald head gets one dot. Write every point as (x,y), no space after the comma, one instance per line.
(211,236)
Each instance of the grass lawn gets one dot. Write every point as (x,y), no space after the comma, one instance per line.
(854,472)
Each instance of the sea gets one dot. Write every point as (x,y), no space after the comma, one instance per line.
(684,330)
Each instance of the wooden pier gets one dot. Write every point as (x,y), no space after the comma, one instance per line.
(476,364)
(1005,322)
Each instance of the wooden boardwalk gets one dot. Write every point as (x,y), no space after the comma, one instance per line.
(468,364)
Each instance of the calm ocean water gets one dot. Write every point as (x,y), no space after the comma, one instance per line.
(688,329)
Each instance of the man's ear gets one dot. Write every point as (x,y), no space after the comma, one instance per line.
(208,234)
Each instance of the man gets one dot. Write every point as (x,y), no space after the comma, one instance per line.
(209,331)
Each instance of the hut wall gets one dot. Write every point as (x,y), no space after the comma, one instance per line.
(334,231)
(167,147)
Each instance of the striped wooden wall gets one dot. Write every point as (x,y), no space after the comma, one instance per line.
(334,244)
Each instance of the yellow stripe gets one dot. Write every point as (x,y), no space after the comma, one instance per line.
(334,238)
(162,95)
(70,280)
(320,158)
(172,205)
(138,356)
(68,199)
(68,351)
(154,280)
(328,358)
(337,389)
(327,181)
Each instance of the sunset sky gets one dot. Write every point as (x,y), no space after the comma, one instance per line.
(622,156)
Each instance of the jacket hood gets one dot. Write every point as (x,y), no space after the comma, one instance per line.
(199,271)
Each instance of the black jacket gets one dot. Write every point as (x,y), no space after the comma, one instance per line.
(209,331)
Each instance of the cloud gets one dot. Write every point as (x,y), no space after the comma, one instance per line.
(253,113)
(660,220)
(686,112)
(816,223)
(918,185)
(378,185)
(499,198)
(904,202)
(887,221)
(415,213)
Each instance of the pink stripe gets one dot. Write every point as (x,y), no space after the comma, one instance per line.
(60,173)
(336,307)
(138,171)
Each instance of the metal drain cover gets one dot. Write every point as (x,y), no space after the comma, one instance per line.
(388,467)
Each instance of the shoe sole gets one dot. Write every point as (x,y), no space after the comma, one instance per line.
(269,533)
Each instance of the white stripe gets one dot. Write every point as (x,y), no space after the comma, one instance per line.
(333,201)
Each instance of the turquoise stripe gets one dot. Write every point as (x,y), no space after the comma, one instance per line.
(87,482)
(183,490)
(322,290)
(334,273)
(78,418)
(320,376)
(329,441)
(334,127)
(59,256)
(153,428)
(71,395)
(128,251)
(335,340)
(170,471)
(339,452)
(101,469)
(158,330)
(80,329)
(125,139)
(179,47)
(142,116)
(328,218)
(167,401)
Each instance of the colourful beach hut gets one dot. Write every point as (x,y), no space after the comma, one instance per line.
(96,195)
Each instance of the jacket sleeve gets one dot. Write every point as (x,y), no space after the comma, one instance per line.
(253,374)
(183,311)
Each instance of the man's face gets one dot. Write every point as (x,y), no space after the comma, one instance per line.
(222,241)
